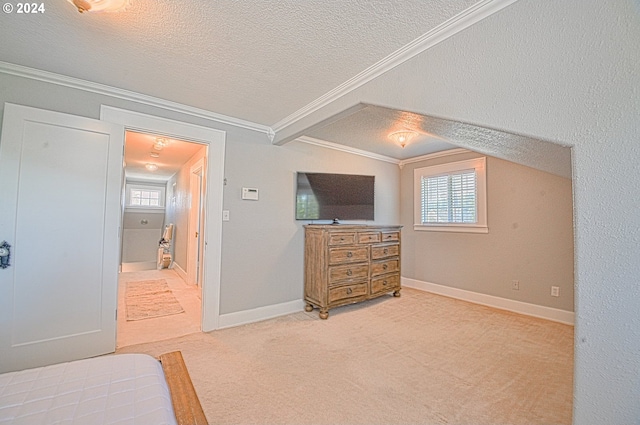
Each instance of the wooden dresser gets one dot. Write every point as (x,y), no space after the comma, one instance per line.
(345,264)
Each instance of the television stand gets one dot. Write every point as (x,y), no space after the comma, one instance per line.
(347,264)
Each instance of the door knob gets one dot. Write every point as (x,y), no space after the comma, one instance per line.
(5,255)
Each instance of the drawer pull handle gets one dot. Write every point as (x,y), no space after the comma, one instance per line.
(384,282)
(386,251)
(349,254)
(349,291)
(349,272)
(341,239)
(385,266)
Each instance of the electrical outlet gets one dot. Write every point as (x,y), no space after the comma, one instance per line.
(515,285)
(555,291)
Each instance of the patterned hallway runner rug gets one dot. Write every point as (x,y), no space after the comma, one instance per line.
(146,299)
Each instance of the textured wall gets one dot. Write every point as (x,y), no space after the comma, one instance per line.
(530,239)
(566,72)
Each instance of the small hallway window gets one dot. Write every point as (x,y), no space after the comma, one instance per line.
(143,196)
(451,197)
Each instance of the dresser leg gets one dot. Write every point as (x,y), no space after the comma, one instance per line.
(324,314)
(308,307)
(396,293)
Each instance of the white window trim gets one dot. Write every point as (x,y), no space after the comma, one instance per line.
(479,164)
(140,186)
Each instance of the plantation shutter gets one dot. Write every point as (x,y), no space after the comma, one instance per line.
(449,198)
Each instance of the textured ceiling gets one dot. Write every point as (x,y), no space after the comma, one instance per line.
(260,62)
(368,128)
(257,61)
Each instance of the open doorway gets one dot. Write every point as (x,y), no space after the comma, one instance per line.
(159,290)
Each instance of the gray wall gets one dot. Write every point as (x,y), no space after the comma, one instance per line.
(262,253)
(563,71)
(141,232)
(530,239)
(262,244)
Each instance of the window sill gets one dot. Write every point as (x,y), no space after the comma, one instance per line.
(146,208)
(451,228)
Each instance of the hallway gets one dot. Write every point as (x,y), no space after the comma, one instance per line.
(159,328)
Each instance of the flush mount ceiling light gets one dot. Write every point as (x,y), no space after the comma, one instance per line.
(151,167)
(402,137)
(100,5)
(160,143)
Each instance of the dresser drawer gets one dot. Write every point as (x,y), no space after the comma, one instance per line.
(384,251)
(390,236)
(342,238)
(382,267)
(368,237)
(355,290)
(351,272)
(385,283)
(348,255)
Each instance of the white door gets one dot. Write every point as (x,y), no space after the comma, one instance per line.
(60,189)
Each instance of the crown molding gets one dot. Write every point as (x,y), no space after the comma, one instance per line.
(102,89)
(348,149)
(449,28)
(448,152)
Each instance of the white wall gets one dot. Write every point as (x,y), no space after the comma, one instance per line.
(178,205)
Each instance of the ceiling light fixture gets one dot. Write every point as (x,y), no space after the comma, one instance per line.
(151,167)
(154,154)
(402,137)
(160,143)
(100,5)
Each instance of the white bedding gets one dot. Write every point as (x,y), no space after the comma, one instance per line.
(120,389)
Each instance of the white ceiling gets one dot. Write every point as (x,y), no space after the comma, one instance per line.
(257,62)
(139,151)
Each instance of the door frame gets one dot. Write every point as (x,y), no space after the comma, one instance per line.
(215,140)
(195,248)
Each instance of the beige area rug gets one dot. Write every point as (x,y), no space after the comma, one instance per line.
(417,359)
(150,298)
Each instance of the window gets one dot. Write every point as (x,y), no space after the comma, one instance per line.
(145,197)
(451,197)
(142,196)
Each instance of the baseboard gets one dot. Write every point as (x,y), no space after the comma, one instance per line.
(261,313)
(548,313)
(138,266)
(179,270)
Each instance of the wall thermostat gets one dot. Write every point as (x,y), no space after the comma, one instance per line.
(250,193)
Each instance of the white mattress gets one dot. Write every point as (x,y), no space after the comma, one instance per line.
(120,389)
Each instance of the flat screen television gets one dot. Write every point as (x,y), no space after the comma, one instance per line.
(324,196)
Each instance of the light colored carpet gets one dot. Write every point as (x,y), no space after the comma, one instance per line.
(417,359)
(150,298)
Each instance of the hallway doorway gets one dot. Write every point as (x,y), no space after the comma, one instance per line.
(160,196)
(131,332)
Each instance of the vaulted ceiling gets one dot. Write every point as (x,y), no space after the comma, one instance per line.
(254,62)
